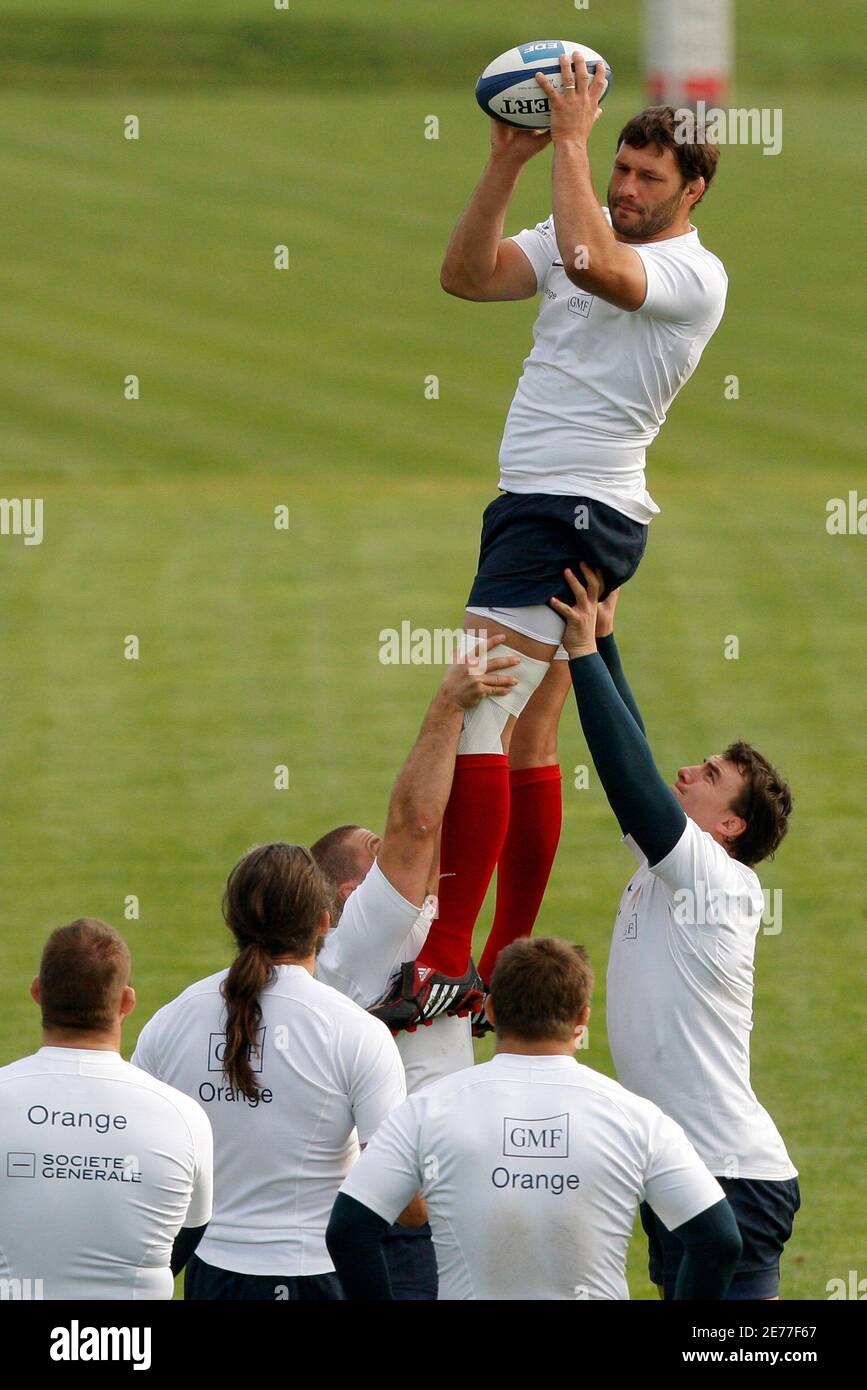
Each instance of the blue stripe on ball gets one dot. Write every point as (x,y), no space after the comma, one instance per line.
(488,87)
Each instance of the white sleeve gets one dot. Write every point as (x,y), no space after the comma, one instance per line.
(539,245)
(680,288)
(377,927)
(389,1172)
(677,1184)
(145,1055)
(377,1083)
(201,1205)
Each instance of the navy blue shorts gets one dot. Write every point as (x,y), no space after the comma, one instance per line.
(412,1263)
(207,1282)
(765,1213)
(529,539)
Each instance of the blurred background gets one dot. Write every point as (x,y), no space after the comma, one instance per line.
(129,787)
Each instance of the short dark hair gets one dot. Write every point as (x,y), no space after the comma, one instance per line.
(82,975)
(764,802)
(539,987)
(335,855)
(658,125)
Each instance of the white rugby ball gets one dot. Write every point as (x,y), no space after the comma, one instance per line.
(508,90)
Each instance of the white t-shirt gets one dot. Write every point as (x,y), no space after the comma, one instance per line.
(680,1002)
(326,1068)
(598,382)
(532,1169)
(100,1167)
(378,932)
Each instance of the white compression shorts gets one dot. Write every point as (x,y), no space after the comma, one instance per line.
(537,621)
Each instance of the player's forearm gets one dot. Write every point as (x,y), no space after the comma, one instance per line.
(471,255)
(607,648)
(712,1247)
(185,1244)
(424,784)
(414,1213)
(644,806)
(591,255)
(354,1241)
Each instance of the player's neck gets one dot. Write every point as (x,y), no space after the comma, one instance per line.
(89,1040)
(681,229)
(545,1047)
(307,962)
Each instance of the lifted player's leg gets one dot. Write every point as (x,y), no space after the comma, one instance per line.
(477,816)
(527,543)
(474,829)
(535,816)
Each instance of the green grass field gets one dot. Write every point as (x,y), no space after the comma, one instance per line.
(305,387)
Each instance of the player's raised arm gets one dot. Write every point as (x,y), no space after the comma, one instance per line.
(421,792)
(593,258)
(479,264)
(607,648)
(645,807)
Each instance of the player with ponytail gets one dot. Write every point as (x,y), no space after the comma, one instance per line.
(293,1075)
(276,906)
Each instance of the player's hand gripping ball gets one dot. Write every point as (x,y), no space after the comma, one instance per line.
(508,90)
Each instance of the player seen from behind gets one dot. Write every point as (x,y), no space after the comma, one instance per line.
(532,1165)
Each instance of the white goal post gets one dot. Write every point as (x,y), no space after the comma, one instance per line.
(688,51)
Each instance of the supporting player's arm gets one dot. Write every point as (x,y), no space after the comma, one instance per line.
(354,1241)
(607,648)
(690,1202)
(593,258)
(712,1247)
(645,807)
(185,1243)
(479,264)
(379,1186)
(421,792)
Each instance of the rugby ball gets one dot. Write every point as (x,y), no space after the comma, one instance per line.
(508,90)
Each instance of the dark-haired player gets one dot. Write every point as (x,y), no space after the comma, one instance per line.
(680,972)
(630,298)
(294,1074)
(119,1167)
(533,1164)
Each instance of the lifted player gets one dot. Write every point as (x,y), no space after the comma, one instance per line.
(630,299)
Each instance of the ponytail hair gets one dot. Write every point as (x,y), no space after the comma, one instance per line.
(273,905)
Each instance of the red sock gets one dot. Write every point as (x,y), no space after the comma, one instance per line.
(474,828)
(535,821)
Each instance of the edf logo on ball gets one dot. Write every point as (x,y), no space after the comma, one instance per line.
(544,48)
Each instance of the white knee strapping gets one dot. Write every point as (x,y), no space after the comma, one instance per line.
(484,724)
